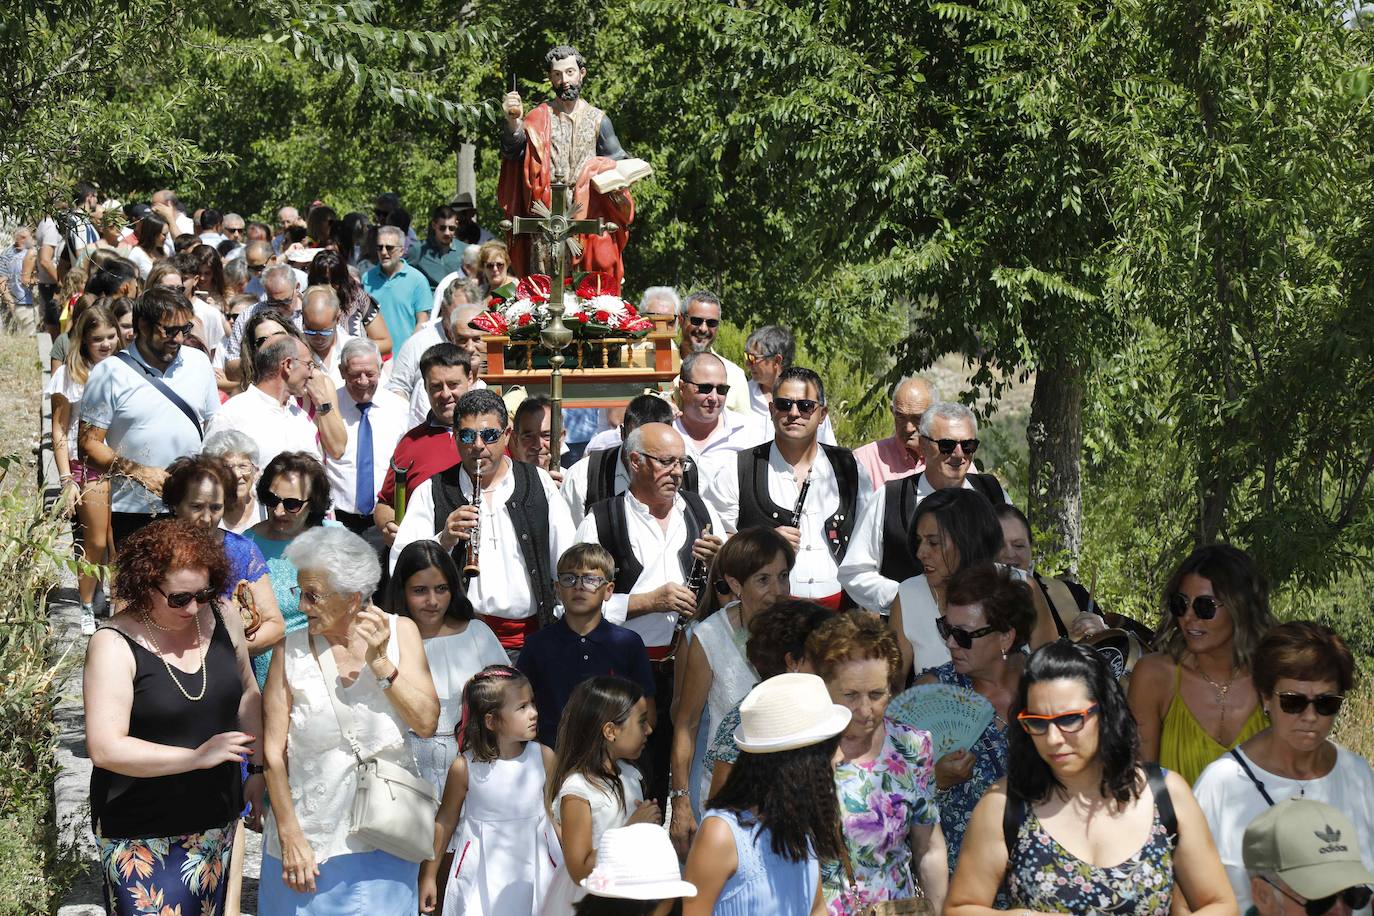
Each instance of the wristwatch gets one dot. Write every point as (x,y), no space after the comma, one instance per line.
(679,793)
(386,682)
(323,409)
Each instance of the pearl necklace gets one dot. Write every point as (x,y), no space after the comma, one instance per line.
(204,680)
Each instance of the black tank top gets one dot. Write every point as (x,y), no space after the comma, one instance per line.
(126,807)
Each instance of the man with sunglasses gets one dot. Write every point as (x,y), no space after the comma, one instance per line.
(656,532)
(899,455)
(713,432)
(131,427)
(522,527)
(765,487)
(881,555)
(438,256)
(323,334)
(1304,857)
(699,326)
(401,291)
(269,413)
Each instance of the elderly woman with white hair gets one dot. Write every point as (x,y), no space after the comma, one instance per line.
(357,664)
(241,454)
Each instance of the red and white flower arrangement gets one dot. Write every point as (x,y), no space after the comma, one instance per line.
(592,309)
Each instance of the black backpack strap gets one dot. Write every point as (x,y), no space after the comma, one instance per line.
(1253,778)
(164,390)
(989,486)
(1012,816)
(1154,775)
(601,476)
(614,534)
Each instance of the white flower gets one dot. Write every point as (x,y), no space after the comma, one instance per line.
(517,308)
(612,305)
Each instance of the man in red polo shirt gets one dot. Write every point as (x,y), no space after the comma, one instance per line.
(428,448)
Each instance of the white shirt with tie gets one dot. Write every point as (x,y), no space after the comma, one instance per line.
(815,575)
(503,588)
(656,548)
(388,417)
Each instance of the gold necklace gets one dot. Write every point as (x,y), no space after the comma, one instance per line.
(204,680)
(1221,690)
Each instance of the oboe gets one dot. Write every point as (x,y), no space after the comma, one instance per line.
(470,558)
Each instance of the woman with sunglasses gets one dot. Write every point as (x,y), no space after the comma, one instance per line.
(987,622)
(1079,825)
(494,261)
(172,711)
(1195,700)
(294,492)
(1303,671)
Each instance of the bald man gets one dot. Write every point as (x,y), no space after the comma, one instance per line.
(899,455)
(323,333)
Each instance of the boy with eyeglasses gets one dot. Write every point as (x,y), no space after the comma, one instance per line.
(583,644)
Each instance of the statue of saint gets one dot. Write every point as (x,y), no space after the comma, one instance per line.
(563,136)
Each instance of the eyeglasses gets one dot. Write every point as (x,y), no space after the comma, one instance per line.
(752,358)
(1295,704)
(289,503)
(589,583)
(310,332)
(309,597)
(181,599)
(490,436)
(962,638)
(177,330)
(667,464)
(707,388)
(259,341)
(805,406)
(492,265)
(1067,722)
(1357,898)
(1204,606)
(946,446)
(697,321)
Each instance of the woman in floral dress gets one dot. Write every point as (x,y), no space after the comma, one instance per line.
(885,779)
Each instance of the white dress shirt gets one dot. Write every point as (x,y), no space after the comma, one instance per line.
(859,571)
(503,588)
(575,485)
(388,418)
(405,364)
(758,403)
(815,574)
(734,432)
(657,550)
(604,439)
(274,427)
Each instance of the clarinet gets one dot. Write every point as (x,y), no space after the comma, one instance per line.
(696,581)
(801,501)
(471,567)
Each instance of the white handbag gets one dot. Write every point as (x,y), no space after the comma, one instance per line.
(393,809)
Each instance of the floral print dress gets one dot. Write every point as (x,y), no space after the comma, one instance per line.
(167,876)
(880,802)
(989,765)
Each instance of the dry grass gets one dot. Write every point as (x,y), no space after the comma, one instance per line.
(1355,726)
(21,404)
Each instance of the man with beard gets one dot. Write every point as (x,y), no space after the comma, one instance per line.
(563,136)
(699,326)
(899,455)
(146,407)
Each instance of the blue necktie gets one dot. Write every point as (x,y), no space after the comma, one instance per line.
(365,493)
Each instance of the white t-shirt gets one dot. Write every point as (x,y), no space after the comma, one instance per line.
(1230,801)
(71,391)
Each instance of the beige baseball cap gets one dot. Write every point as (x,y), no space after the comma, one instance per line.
(1309,844)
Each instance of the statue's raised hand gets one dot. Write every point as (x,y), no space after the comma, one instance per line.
(514,108)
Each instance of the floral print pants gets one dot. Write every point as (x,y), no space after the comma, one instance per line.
(167,876)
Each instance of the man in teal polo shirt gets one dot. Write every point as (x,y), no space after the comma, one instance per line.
(401,291)
(437,257)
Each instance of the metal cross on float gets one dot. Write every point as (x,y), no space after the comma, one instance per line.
(561,232)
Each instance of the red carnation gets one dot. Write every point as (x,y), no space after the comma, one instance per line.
(524,319)
(602,316)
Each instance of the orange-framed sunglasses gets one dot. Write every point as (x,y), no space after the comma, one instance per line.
(1066,722)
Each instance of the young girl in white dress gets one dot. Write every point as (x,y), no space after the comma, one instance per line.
(505,852)
(605,723)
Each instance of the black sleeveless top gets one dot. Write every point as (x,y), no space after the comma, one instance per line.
(127,807)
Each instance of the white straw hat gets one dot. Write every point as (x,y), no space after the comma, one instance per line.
(787,712)
(637,862)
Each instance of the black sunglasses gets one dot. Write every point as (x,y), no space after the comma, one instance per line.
(946,446)
(697,321)
(962,638)
(289,503)
(805,406)
(177,330)
(490,436)
(707,388)
(1357,898)
(1204,606)
(256,268)
(1328,704)
(181,599)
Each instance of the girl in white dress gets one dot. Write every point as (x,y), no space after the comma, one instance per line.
(605,723)
(505,853)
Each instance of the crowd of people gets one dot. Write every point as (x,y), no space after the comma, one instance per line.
(366,605)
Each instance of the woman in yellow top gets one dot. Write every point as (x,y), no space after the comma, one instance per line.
(1195,700)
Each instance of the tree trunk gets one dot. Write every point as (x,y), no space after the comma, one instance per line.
(1055,437)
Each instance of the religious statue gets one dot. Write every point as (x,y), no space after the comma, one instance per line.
(564,136)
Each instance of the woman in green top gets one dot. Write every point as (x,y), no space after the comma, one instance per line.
(1195,700)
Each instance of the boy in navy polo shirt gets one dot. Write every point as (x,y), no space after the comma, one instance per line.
(582,644)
